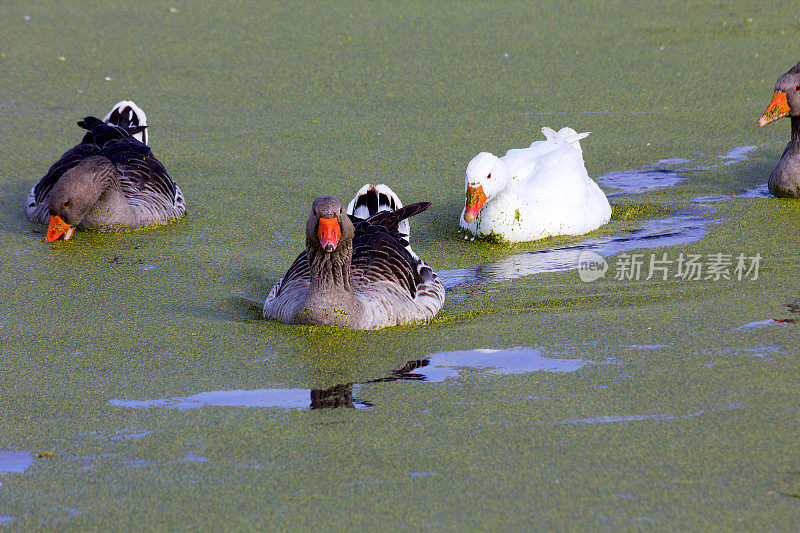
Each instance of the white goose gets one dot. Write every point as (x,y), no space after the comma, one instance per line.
(535,192)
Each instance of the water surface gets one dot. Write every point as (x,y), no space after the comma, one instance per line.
(672,231)
(14,462)
(167,407)
(432,368)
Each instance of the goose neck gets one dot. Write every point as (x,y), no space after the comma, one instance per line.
(330,271)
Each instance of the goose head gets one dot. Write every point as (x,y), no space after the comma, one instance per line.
(76,193)
(786,98)
(487,175)
(328,225)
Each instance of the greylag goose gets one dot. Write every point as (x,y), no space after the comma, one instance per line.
(109,181)
(357,271)
(784,182)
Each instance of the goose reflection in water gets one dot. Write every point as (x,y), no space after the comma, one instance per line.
(336,397)
(342,395)
(433,368)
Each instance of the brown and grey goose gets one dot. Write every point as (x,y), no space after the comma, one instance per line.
(784,181)
(110,181)
(357,272)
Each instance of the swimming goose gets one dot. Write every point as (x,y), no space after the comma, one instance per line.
(535,192)
(784,181)
(110,181)
(357,273)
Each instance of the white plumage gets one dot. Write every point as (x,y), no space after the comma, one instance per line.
(535,192)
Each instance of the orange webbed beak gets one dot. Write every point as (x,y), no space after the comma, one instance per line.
(57,228)
(475,200)
(329,233)
(776,109)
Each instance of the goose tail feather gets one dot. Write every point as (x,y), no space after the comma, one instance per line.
(380,205)
(130,117)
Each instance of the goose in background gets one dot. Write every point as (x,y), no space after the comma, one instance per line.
(110,181)
(784,181)
(535,192)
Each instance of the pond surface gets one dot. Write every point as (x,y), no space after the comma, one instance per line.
(14,462)
(642,376)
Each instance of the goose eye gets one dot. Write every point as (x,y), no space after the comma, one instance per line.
(66,204)
(489,176)
(797,88)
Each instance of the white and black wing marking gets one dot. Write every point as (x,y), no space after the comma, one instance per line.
(127,115)
(373,199)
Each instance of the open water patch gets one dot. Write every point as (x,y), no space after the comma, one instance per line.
(520,360)
(762,191)
(762,352)
(672,231)
(641,181)
(283,398)
(15,462)
(761,324)
(736,155)
(660,177)
(338,396)
(434,368)
(646,346)
(647,417)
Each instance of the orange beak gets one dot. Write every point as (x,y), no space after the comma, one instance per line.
(57,228)
(329,233)
(776,109)
(475,200)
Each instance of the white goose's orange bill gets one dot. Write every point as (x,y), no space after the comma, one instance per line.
(475,200)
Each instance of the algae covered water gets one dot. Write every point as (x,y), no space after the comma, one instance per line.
(140,389)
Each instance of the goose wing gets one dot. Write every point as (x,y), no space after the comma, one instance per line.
(559,180)
(391,219)
(289,291)
(395,286)
(379,256)
(143,178)
(394,222)
(71,158)
(296,279)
